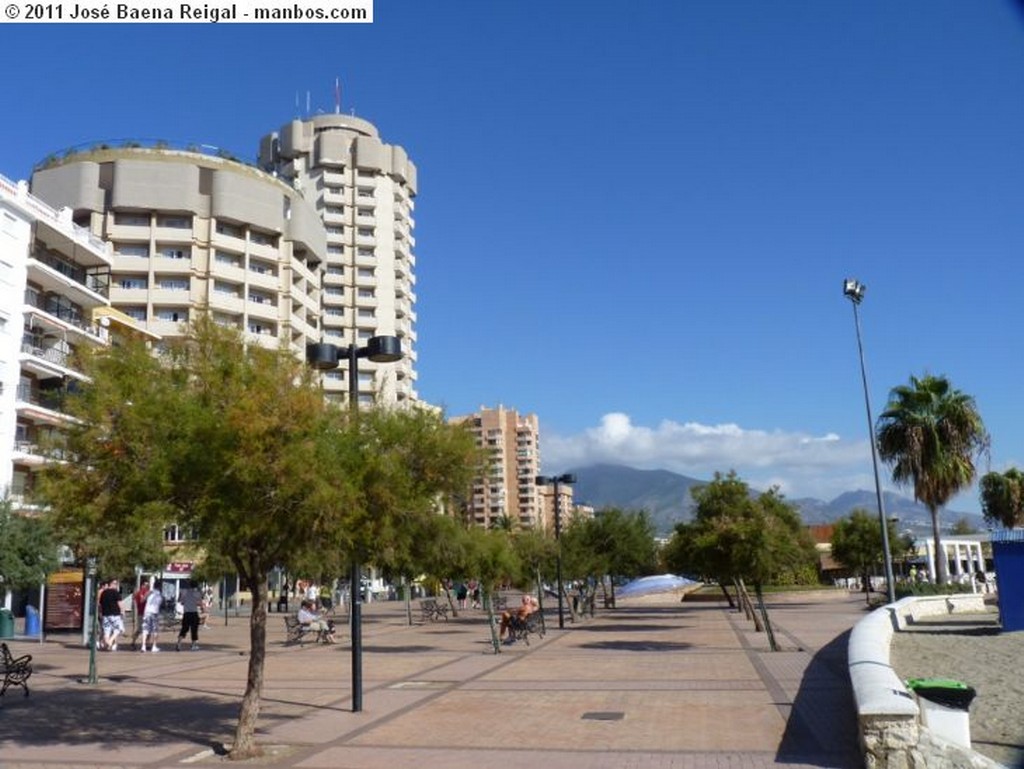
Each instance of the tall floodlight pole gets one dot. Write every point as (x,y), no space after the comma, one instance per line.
(325,356)
(543,480)
(854,291)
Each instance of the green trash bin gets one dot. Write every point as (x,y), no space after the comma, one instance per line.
(6,624)
(944,707)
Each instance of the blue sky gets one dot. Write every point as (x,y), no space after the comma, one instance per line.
(635,218)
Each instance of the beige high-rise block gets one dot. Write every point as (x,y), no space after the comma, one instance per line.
(363,190)
(507,491)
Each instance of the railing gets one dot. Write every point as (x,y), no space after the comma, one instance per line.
(45,211)
(52,401)
(49,354)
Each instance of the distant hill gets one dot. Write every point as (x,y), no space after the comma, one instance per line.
(666,497)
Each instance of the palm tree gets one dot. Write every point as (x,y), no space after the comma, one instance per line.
(930,434)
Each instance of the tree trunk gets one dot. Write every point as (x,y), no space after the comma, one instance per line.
(485,592)
(451,602)
(407,596)
(728,595)
(758,624)
(866,580)
(613,591)
(245,733)
(941,562)
(764,613)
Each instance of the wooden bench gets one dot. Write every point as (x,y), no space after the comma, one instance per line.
(296,632)
(432,611)
(16,671)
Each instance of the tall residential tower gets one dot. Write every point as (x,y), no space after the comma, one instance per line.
(363,190)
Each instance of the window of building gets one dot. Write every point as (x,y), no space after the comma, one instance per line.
(365,174)
(140,250)
(335,230)
(175,284)
(231,230)
(335,269)
(336,250)
(366,272)
(131,219)
(135,312)
(174,252)
(334,290)
(334,312)
(365,251)
(262,238)
(261,327)
(227,258)
(366,314)
(228,289)
(366,232)
(334,210)
(132,282)
(262,267)
(260,297)
(173,314)
(366,212)
(177,222)
(366,293)
(365,193)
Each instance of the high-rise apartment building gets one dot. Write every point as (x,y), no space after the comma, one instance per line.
(314,245)
(363,190)
(507,489)
(53,284)
(190,230)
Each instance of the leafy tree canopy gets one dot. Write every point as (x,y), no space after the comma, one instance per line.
(1002,498)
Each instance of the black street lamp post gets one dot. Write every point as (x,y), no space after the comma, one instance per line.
(324,356)
(556,480)
(854,291)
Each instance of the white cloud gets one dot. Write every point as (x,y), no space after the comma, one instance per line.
(802,465)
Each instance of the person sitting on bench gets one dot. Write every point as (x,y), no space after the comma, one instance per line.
(308,617)
(527,607)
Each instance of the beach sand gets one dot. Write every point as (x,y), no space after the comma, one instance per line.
(972,648)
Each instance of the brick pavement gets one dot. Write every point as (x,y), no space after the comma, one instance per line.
(654,684)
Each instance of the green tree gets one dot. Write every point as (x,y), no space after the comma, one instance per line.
(962,527)
(1002,498)
(237,443)
(857,544)
(29,550)
(930,434)
(736,537)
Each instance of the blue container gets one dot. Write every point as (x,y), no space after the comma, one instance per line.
(31,620)
(1008,553)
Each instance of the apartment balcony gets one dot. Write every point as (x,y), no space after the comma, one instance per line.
(258,277)
(53,273)
(365,220)
(163,265)
(224,301)
(331,198)
(263,309)
(366,260)
(40,406)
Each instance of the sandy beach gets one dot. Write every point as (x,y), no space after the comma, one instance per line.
(973,649)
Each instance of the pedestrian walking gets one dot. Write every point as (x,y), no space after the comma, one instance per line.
(111,616)
(151,616)
(191,598)
(139,604)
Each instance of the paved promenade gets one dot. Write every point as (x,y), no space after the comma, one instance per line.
(654,684)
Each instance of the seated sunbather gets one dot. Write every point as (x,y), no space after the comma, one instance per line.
(526,607)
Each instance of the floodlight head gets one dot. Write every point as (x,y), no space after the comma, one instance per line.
(384,349)
(542,480)
(567,478)
(854,290)
(322,356)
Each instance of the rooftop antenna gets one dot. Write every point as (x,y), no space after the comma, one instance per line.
(337,96)
(307,102)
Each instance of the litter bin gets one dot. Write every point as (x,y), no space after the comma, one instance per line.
(31,621)
(6,624)
(944,707)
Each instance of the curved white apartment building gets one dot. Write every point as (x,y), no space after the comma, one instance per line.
(363,190)
(53,287)
(190,230)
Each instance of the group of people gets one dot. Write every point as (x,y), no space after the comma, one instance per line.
(314,621)
(148,602)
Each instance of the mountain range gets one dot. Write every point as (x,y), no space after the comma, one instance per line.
(666,498)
